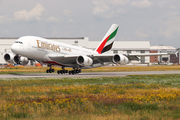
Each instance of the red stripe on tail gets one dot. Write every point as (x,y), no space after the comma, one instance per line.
(100,48)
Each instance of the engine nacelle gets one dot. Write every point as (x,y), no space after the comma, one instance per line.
(84,61)
(21,60)
(120,59)
(9,57)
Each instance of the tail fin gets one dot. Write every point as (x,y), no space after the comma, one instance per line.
(108,40)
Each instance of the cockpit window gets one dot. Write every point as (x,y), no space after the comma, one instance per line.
(19,42)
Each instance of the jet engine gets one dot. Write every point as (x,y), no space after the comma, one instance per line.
(84,61)
(21,60)
(9,57)
(120,59)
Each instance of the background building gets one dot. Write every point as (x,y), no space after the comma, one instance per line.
(123,47)
(163,58)
(175,59)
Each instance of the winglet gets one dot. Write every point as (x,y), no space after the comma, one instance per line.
(108,40)
(176,53)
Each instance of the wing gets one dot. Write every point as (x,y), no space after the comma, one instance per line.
(89,60)
(71,59)
(110,57)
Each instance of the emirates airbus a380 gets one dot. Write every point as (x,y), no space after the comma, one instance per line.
(56,53)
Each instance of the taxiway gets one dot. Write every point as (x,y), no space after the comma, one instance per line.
(86,75)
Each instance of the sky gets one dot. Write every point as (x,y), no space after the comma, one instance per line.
(157,21)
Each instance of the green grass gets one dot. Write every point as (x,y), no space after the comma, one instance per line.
(172,80)
(99,110)
(22,70)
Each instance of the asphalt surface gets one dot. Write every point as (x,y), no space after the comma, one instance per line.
(87,75)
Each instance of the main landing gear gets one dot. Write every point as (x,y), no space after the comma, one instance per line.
(74,71)
(50,70)
(63,71)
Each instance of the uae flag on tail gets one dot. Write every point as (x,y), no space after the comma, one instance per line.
(108,40)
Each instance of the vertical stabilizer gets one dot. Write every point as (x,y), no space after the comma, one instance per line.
(108,40)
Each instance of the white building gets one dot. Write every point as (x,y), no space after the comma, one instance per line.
(161,49)
(123,47)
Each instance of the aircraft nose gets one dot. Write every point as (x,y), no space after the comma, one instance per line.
(14,48)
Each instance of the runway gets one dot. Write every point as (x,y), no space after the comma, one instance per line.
(85,75)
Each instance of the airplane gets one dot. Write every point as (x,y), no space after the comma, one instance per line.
(65,55)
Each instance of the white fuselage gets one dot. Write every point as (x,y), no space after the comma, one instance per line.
(39,49)
(65,55)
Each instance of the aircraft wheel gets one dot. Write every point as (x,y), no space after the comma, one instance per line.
(58,72)
(47,71)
